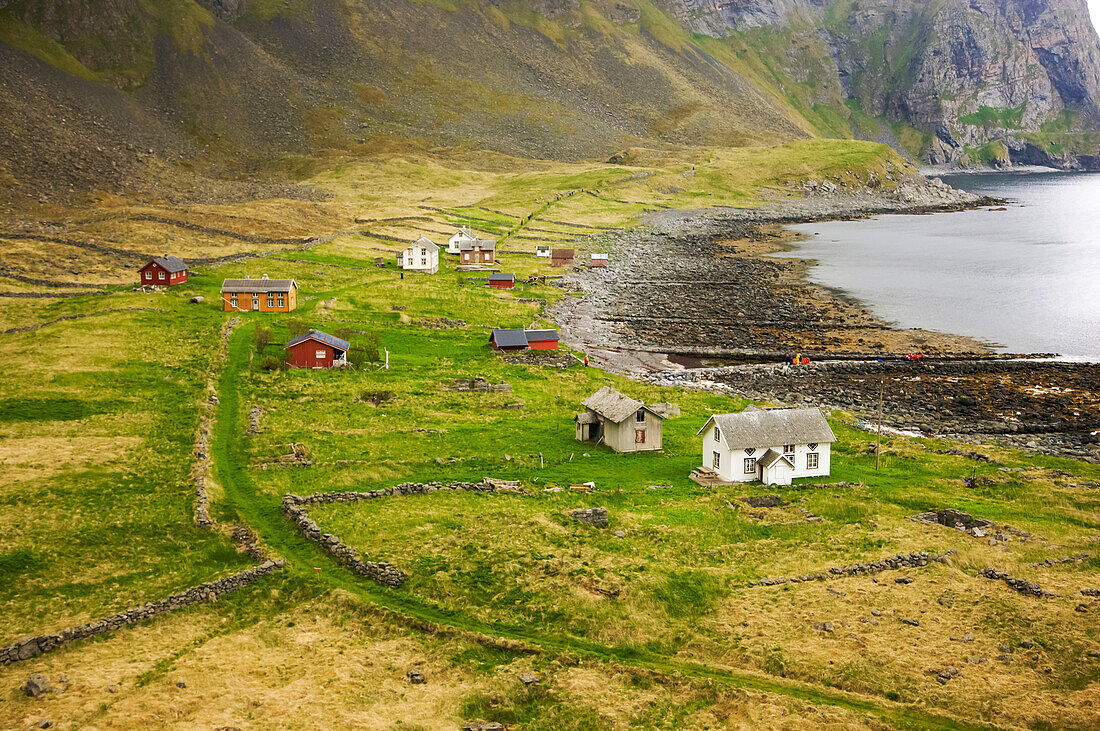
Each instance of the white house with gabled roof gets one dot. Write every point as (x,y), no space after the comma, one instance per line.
(463,236)
(421,256)
(773,446)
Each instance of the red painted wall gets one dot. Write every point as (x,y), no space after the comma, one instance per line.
(156,270)
(544,345)
(502,285)
(304,355)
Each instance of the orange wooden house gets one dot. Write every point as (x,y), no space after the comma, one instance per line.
(259,295)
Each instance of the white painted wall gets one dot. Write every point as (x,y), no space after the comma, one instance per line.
(419,258)
(732,467)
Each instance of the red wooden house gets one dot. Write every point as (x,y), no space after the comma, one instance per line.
(163,271)
(315,349)
(501,280)
(520,339)
(561,258)
(542,339)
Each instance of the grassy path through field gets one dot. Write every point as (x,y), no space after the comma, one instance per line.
(264,515)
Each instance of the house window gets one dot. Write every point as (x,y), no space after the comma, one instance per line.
(233,300)
(423,262)
(270,300)
(788,449)
(640,416)
(811,461)
(160,276)
(716,460)
(639,436)
(282,301)
(717,435)
(320,355)
(148,275)
(750,466)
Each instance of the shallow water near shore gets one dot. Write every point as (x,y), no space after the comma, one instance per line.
(1026,279)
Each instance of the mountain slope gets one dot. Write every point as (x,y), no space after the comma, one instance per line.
(977,80)
(183,99)
(244,88)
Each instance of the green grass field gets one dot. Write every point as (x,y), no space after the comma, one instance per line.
(657,628)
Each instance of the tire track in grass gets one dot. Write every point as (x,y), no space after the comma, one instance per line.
(264,515)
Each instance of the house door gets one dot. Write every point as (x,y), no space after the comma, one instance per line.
(255,301)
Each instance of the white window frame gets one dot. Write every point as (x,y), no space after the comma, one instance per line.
(149,275)
(321,354)
(233,299)
(281,299)
(160,276)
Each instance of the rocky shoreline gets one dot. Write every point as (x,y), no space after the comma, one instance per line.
(691,300)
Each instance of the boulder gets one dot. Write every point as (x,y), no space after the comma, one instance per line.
(38,685)
(592,516)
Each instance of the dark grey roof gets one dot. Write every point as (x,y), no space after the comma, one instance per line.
(772,427)
(541,335)
(618,407)
(770,457)
(259,285)
(320,337)
(509,337)
(502,277)
(171,263)
(483,244)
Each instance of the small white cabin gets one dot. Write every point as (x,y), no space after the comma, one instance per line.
(773,446)
(543,251)
(421,256)
(460,237)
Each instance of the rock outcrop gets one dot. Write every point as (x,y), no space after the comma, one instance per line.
(996,81)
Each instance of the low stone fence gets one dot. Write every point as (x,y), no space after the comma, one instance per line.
(1023,586)
(201,468)
(28,647)
(379,572)
(901,561)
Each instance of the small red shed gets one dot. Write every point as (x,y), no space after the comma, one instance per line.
(163,271)
(561,258)
(511,338)
(501,280)
(315,349)
(542,339)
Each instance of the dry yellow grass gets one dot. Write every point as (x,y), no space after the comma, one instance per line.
(330,663)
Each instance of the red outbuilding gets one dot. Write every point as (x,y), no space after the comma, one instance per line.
(315,349)
(163,271)
(542,339)
(500,280)
(520,339)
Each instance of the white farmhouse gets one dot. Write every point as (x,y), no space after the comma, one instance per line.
(773,446)
(462,236)
(421,256)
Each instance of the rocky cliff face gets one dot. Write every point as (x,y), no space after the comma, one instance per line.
(997,81)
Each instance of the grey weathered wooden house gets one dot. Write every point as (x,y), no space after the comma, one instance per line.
(620,422)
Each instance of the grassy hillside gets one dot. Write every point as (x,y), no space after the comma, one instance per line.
(284,88)
(99,420)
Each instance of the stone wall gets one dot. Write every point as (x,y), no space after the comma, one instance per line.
(28,647)
(379,572)
(201,469)
(901,561)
